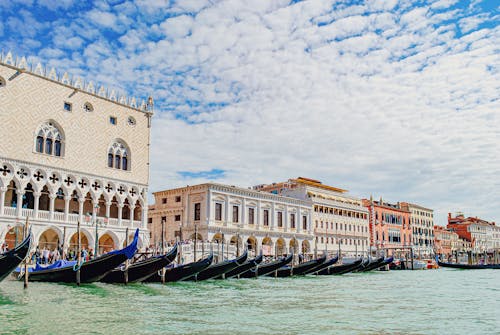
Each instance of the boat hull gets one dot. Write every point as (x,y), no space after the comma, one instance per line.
(265,269)
(219,269)
(139,271)
(341,269)
(10,260)
(248,265)
(468,266)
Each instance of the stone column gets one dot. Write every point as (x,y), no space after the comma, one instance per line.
(52,201)
(3,191)
(286,224)
(108,208)
(19,203)
(209,207)
(132,209)
(67,199)
(243,212)
(258,216)
(144,216)
(272,216)
(298,220)
(81,201)
(120,212)
(36,195)
(228,211)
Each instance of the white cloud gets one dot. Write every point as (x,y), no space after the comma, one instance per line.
(385,98)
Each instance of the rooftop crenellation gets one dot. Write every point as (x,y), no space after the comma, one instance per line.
(76,82)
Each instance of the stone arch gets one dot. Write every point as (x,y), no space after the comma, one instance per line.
(197,237)
(130,239)
(280,246)
(294,246)
(218,238)
(306,247)
(28,197)
(14,236)
(11,194)
(137,210)
(86,240)
(108,241)
(267,246)
(235,239)
(252,244)
(50,238)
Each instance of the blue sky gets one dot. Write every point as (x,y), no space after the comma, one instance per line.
(398,99)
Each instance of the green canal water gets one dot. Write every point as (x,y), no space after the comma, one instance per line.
(444,301)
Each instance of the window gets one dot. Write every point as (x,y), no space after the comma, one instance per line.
(163,219)
(235,213)
(178,198)
(197,211)
(118,154)
(251,215)
(218,211)
(280,219)
(67,107)
(131,121)
(266,217)
(177,218)
(304,222)
(49,140)
(164,200)
(150,220)
(87,107)
(112,120)
(292,221)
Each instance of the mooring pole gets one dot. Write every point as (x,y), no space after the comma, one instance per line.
(79,253)
(162,250)
(127,261)
(411,255)
(26,230)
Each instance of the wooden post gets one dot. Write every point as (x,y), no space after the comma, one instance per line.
(26,231)
(162,250)
(79,253)
(411,255)
(127,261)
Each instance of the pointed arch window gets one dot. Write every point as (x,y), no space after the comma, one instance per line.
(49,140)
(119,156)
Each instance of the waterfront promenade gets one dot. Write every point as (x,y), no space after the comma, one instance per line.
(396,302)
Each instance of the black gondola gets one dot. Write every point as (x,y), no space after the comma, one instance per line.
(90,271)
(375,264)
(264,269)
(219,269)
(301,269)
(139,271)
(325,265)
(248,265)
(468,266)
(10,260)
(341,269)
(181,272)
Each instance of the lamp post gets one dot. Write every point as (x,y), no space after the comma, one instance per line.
(97,223)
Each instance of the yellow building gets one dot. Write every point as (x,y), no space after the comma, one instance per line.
(70,151)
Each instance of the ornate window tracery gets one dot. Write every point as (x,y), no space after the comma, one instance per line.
(49,140)
(118,156)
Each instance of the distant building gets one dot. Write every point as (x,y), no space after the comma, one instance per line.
(422,226)
(261,221)
(390,227)
(70,151)
(483,236)
(340,221)
(445,241)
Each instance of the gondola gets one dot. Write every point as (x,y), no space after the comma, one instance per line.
(301,269)
(11,259)
(248,265)
(325,265)
(90,271)
(264,269)
(341,269)
(375,264)
(219,269)
(468,266)
(181,272)
(139,271)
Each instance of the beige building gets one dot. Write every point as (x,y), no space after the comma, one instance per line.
(261,221)
(340,221)
(422,225)
(70,151)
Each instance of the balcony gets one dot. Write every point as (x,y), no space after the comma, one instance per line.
(58,217)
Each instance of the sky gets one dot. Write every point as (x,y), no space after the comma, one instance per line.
(395,99)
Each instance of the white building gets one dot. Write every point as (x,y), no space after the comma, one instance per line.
(226,214)
(340,221)
(422,225)
(70,151)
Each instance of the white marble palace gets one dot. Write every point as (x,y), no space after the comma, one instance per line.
(70,152)
(236,216)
